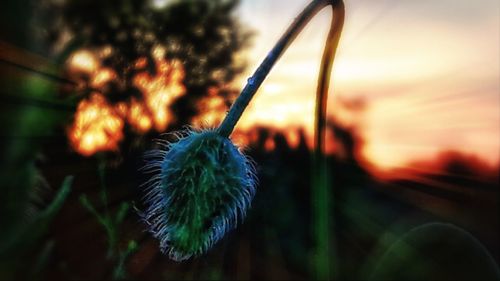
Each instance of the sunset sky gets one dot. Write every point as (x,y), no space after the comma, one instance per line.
(426,71)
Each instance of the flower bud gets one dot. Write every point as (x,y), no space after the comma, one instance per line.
(202,186)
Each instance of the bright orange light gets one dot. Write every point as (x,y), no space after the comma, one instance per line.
(293,138)
(97,127)
(141,63)
(138,118)
(240,138)
(212,110)
(102,76)
(269,145)
(161,90)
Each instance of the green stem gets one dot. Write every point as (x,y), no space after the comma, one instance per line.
(324,256)
(324,249)
(253,83)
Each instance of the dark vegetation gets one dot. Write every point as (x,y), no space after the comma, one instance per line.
(86,226)
(275,239)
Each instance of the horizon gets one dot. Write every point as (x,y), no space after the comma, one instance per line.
(424,73)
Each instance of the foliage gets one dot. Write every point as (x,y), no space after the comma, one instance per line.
(18,241)
(111,224)
(204,35)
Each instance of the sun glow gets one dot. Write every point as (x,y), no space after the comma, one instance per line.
(427,77)
(212,110)
(98,125)
(422,83)
(161,90)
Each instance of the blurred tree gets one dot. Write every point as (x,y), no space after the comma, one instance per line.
(204,35)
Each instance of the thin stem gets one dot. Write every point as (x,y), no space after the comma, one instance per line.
(321,195)
(253,83)
(325,244)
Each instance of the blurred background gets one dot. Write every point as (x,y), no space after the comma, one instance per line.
(413,135)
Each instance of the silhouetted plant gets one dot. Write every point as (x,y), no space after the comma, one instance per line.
(181,212)
(111,223)
(17,241)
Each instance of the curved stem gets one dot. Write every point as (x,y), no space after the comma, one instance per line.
(325,73)
(325,244)
(226,127)
(324,258)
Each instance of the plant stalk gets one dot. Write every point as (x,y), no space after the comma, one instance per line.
(253,83)
(324,258)
(325,244)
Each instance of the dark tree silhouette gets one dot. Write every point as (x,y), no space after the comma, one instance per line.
(203,35)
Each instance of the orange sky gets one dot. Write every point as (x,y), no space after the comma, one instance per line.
(428,72)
